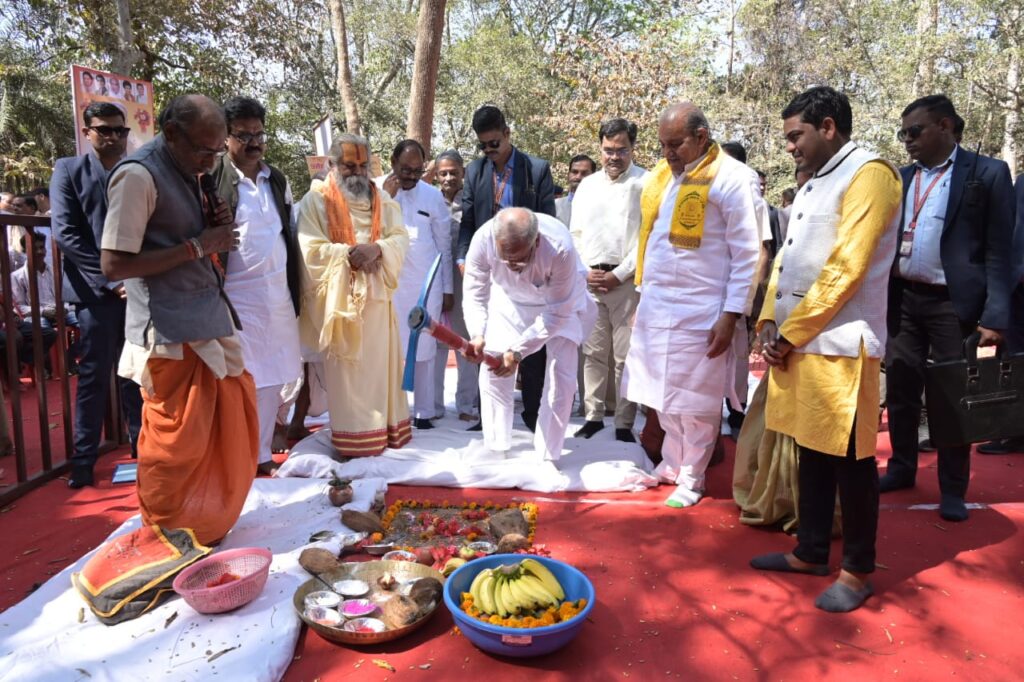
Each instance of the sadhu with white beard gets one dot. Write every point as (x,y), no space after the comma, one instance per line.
(353,244)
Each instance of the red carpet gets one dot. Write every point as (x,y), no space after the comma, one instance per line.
(676,599)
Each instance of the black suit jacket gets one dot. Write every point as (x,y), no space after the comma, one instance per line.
(78,207)
(975,243)
(532,188)
(1018,233)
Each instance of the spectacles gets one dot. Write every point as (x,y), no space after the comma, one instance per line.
(199,149)
(411,172)
(616,153)
(488,144)
(518,259)
(110,131)
(911,133)
(246,138)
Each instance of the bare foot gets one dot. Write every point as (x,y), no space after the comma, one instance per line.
(280,441)
(797,563)
(297,432)
(855,581)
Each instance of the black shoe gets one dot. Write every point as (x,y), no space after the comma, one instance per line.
(625,435)
(531,422)
(890,482)
(952,508)
(81,476)
(926,446)
(1005,446)
(479,426)
(588,429)
(422,423)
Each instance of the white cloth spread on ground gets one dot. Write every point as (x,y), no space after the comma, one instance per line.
(449,456)
(41,638)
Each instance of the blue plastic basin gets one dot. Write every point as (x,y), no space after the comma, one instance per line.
(520,642)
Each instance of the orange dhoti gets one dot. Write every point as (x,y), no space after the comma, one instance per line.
(198,447)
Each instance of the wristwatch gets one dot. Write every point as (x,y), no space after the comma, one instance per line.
(517,356)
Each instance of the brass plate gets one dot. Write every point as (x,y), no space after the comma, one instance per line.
(367,571)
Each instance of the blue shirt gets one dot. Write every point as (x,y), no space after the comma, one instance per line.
(925,261)
(505,200)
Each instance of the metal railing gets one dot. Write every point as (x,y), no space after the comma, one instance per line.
(54,462)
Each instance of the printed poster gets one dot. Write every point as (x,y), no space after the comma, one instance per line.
(133,97)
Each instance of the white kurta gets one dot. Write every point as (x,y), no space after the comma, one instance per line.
(521,311)
(427,218)
(685,291)
(256,283)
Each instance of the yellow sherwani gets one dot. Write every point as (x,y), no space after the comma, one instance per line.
(348,316)
(816,398)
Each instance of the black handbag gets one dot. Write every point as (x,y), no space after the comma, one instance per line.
(971,400)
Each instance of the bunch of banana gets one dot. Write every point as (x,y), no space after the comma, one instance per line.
(510,589)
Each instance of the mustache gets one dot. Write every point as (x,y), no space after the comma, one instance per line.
(356,186)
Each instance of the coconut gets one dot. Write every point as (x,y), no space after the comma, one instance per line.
(512,543)
(362,522)
(318,561)
(400,611)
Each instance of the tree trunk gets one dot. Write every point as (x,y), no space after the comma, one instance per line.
(1013,105)
(927,29)
(427,60)
(353,123)
(125,56)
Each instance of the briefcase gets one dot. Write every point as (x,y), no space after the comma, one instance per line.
(971,400)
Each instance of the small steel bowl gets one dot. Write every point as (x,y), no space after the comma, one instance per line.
(362,624)
(357,608)
(324,598)
(483,546)
(399,555)
(382,548)
(351,588)
(322,615)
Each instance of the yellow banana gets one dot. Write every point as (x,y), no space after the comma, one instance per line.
(545,576)
(536,589)
(506,596)
(474,588)
(523,599)
(496,593)
(487,594)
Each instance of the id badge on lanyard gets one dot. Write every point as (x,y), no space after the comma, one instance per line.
(907,242)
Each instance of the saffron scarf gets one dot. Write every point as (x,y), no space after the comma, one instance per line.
(339,220)
(687,227)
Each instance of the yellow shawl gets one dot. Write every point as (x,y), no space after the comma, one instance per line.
(687,227)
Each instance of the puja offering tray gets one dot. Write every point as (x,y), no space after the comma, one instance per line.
(387,580)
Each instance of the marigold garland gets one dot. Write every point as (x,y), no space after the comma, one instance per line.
(567,610)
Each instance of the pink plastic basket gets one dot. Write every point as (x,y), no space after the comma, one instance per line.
(251,564)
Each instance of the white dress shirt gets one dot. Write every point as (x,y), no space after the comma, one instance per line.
(256,283)
(691,288)
(925,261)
(606,220)
(20,290)
(520,311)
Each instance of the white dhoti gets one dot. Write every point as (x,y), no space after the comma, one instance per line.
(268,405)
(497,403)
(465,388)
(423,396)
(668,370)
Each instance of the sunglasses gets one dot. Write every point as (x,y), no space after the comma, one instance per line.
(246,138)
(110,131)
(488,144)
(911,133)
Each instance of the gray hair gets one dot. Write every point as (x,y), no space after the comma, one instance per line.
(693,118)
(516,226)
(451,155)
(347,138)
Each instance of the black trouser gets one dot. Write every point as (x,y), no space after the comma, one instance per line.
(102,328)
(531,374)
(857,481)
(1015,335)
(928,327)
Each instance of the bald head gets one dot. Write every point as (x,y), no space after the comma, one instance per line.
(684,134)
(515,227)
(195,130)
(516,232)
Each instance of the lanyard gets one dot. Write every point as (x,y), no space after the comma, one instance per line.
(499,190)
(918,199)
